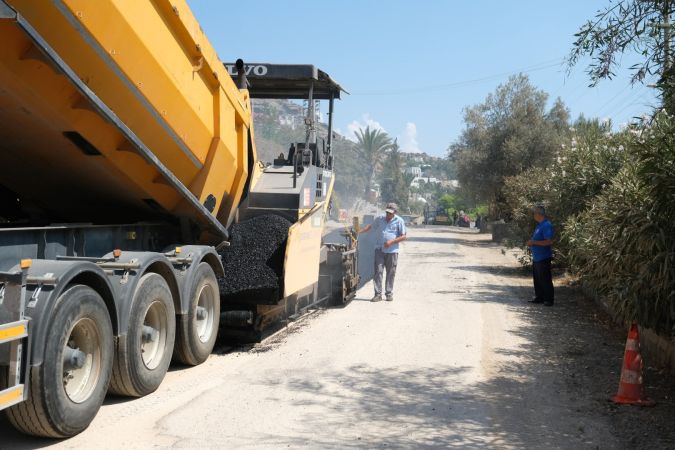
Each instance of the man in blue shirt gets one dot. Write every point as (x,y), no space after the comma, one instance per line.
(390,230)
(540,244)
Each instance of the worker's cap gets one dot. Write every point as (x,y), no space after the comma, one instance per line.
(391,208)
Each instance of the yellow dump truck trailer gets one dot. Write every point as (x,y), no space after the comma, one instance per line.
(126,158)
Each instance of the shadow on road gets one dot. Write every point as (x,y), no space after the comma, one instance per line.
(502,271)
(398,407)
(7,432)
(577,349)
(433,239)
(554,394)
(454,240)
(445,229)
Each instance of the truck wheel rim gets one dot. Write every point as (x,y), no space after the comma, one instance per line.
(80,382)
(205,310)
(153,344)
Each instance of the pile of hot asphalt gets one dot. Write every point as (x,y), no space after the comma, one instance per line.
(254,261)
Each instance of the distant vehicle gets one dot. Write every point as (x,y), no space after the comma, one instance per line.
(409,219)
(440,217)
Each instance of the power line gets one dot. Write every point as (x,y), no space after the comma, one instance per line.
(537,67)
(608,102)
(628,101)
(632,100)
(572,92)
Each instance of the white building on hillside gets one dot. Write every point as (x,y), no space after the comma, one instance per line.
(454,184)
(415,171)
(415,183)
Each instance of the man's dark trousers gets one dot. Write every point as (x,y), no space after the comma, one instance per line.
(543,280)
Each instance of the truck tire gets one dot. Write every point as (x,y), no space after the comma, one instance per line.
(197,331)
(67,389)
(144,352)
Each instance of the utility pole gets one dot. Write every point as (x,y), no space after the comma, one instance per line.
(665,85)
(666,37)
(666,74)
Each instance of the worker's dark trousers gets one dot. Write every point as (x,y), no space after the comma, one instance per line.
(384,261)
(543,280)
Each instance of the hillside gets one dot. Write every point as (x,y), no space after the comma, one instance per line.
(278,123)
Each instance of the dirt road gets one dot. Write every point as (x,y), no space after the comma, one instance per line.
(458,360)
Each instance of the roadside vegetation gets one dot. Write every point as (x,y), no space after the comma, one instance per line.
(610,192)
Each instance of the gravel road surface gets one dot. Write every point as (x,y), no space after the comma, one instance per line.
(458,360)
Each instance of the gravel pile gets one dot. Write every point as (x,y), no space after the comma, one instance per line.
(254,261)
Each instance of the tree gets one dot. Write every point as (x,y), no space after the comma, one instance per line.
(559,117)
(407,180)
(350,177)
(393,187)
(642,27)
(447,201)
(417,206)
(570,184)
(505,135)
(372,146)
(450,168)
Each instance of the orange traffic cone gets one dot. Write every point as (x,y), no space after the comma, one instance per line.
(631,390)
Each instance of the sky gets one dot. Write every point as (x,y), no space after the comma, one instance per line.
(412,67)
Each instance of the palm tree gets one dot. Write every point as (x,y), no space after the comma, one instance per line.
(372,145)
(394,187)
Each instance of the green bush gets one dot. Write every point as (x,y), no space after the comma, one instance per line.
(480,210)
(581,169)
(611,198)
(624,243)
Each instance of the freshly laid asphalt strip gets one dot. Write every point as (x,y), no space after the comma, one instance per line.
(254,260)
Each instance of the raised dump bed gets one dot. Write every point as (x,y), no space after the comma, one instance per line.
(149,65)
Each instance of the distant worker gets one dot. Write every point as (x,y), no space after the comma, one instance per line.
(390,230)
(540,244)
(291,154)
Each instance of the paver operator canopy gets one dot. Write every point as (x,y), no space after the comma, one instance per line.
(284,81)
(291,82)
